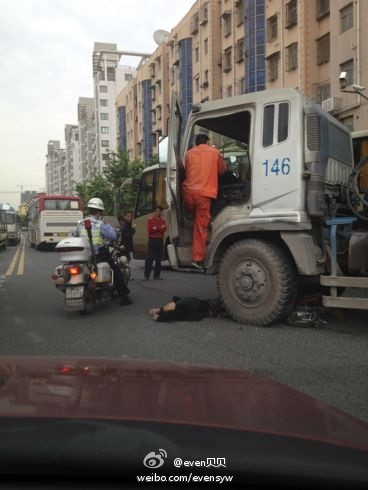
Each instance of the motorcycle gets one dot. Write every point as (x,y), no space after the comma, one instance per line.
(81,278)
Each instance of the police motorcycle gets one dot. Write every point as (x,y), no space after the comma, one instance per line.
(82,280)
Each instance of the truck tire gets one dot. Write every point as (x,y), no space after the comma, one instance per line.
(256,282)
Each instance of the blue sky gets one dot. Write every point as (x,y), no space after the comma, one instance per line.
(46,64)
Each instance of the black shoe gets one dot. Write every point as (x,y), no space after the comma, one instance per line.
(158,277)
(198,265)
(125,301)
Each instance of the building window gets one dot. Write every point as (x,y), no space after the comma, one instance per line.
(152,70)
(226,19)
(128,77)
(348,67)
(103,88)
(322,8)
(291,14)
(273,67)
(104,116)
(272,28)
(159,113)
(226,62)
(194,24)
(205,79)
(196,54)
(239,12)
(196,83)
(105,143)
(239,54)
(205,46)
(104,130)
(292,57)
(111,74)
(204,15)
(103,102)
(153,89)
(172,75)
(323,92)
(323,49)
(346,16)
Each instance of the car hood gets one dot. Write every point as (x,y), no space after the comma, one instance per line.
(169,393)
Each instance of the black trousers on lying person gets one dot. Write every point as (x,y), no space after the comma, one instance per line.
(155,252)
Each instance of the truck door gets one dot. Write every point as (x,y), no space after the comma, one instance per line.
(173,167)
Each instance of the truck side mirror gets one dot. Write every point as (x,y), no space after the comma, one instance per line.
(163,149)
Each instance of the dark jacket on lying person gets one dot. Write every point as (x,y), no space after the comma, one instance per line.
(188,309)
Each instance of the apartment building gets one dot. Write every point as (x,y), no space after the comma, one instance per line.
(72,162)
(204,29)
(309,43)
(86,110)
(232,48)
(349,54)
(108,80)
(55,169)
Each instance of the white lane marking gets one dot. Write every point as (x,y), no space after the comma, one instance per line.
(21,261)
(11,267)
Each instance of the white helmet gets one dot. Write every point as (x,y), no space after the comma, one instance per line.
(96,203)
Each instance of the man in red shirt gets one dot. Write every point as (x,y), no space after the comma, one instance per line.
(156,229)
(203,165)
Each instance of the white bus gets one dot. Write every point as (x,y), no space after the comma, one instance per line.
(51,218)
(12,223)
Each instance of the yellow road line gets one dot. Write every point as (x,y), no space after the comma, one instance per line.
(21,261)
(11,267)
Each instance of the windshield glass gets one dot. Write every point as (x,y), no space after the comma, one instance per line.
(60,204)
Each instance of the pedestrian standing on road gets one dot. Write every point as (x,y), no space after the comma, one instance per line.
(127,231)
(156,230)
(203,165)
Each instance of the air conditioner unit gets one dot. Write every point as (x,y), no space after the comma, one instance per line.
(331,104)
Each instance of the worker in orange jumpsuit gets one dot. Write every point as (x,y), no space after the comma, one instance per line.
(203,165)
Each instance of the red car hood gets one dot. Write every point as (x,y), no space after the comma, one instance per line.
(157,392)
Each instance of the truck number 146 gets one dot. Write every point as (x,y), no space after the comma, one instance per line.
(275,167)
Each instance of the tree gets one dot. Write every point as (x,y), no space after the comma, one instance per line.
(108,186)
(100,187)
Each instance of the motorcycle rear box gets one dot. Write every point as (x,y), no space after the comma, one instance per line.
(103,272)
(74,249)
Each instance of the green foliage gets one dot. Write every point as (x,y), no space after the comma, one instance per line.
(108,186)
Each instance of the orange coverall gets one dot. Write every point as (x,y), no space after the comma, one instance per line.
(203,164)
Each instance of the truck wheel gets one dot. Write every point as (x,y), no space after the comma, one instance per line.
(256,282)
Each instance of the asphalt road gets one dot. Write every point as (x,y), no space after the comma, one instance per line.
(328,362)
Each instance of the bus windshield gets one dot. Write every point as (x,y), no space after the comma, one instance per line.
(60,204)
(10,218)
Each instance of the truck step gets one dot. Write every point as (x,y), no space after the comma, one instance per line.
(343,302)
(344,281)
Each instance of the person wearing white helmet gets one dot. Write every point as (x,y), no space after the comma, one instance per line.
(102,230)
